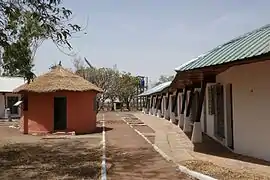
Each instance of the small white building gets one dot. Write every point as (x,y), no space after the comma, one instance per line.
(7,98)
(229,89)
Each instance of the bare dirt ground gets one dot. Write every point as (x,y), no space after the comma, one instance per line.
(130,157)
(31,157)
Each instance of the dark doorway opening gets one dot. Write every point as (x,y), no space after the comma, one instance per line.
(11,100)
(219,112)
(231,144)
(194,106)
(60,113)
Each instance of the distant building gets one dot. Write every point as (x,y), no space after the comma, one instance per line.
(7,98)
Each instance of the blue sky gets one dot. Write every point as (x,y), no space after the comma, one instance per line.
(152,37)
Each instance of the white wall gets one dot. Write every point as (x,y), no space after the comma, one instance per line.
(2,105)
(251,108)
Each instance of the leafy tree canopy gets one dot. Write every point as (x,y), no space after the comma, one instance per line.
(24,25)
(116,85)
(128,88)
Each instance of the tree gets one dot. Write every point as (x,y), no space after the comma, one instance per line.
(115,84)
(128,88)
(163,79)
(105,78)
(24,25)
(78,64)
(13,67)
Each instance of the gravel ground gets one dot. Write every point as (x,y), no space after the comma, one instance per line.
(221,173)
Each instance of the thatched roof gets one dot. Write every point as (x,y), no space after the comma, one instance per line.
(58,79)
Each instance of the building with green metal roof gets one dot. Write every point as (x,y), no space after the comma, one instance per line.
(251,44)
(223,93)
(233,94)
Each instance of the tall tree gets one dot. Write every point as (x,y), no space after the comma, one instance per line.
(115,84)
(14,67)
(24,25)
(128,88)
(105,78)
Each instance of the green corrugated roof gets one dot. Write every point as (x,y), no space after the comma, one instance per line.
(156,89)
(251,44)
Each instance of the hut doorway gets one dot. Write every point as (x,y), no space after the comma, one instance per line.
(60,113)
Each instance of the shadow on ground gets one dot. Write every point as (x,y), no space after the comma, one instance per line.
(128,157)
(211,147)
(139,162)
(66,160)
(97,130)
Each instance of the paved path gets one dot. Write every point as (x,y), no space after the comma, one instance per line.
(129,156)
(171,139)
(175,143)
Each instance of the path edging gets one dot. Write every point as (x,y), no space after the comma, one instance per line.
(103,162)
(183,169)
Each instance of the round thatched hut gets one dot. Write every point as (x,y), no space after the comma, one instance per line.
(58,101)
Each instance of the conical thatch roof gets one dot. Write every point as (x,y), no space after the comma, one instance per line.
(58,79)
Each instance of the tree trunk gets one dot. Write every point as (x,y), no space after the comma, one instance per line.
(112,104)
(101,104)
(127,103)
(112,107)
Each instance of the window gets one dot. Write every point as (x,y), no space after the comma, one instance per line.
(11,100)
(211,99)
(219,111)
(216,108)
(195,101)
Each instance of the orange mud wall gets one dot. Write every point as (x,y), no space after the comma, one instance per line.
(81,116)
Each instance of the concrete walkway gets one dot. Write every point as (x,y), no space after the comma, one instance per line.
(168,137)
(177,145)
